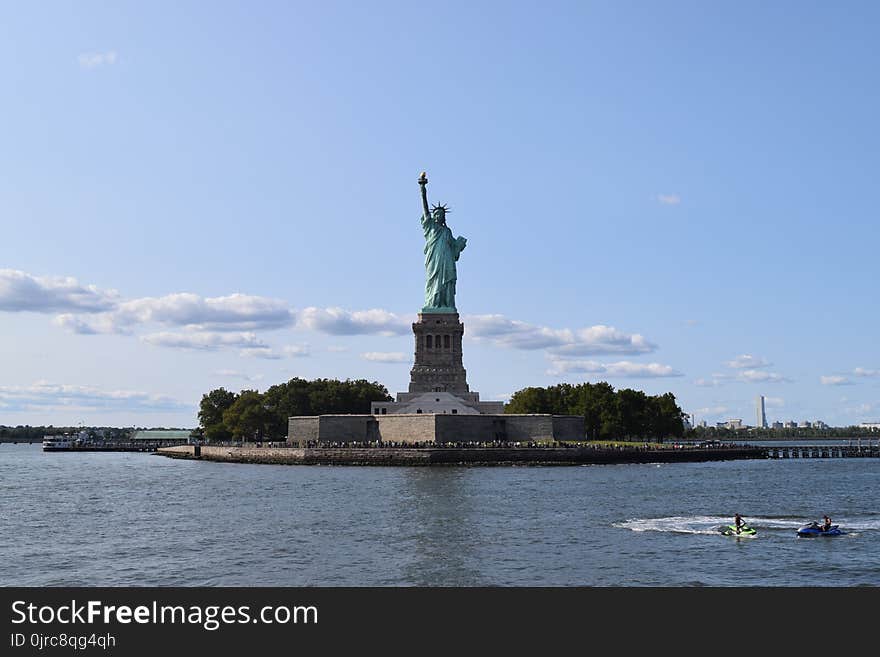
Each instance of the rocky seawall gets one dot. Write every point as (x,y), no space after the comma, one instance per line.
(458,456)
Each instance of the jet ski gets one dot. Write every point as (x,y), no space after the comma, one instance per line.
(815,529)
(730,530)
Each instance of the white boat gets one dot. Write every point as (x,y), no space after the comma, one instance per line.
(57,443)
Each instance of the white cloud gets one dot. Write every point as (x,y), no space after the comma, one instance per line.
(21,292)
(387,357)
(337,349)
(587,341)
(96,59)
(235,312)
(835,380)
(337,321)
(758,376)
(668,199)
(861,371)
(714,381)
(622,369)
(90,324)
(204,340)
(747,361)
(289,351)
(44,395)
(235,374)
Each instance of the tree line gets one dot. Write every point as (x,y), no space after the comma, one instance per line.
(608,413)
(28,432)
(262,416)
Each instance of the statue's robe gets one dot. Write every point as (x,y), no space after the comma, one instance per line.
(441,253)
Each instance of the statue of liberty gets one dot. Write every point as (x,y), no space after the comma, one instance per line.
(441,253)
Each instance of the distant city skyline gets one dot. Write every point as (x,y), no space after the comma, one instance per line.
(673,198)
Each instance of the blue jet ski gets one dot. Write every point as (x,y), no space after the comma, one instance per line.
(815,529)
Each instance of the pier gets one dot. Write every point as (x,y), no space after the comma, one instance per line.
(822,451)
(121,446)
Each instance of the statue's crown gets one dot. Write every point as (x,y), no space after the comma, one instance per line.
(441,206)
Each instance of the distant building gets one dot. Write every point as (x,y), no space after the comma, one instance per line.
(171,437)
(760,415)
(805,424)
(819,424)
(873,426)
(790,424)
(731,424)
(777,425)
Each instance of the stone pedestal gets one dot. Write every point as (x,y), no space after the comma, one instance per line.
(438,364)
(438,381)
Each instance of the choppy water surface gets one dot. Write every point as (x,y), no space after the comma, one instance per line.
(137,519)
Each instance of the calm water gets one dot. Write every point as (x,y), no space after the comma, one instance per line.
(137,519)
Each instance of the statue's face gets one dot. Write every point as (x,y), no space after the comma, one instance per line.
(440,217)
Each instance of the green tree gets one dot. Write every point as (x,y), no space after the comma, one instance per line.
(248,418)
(211,410)
(608,414)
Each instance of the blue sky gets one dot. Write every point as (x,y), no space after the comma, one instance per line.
(668,196)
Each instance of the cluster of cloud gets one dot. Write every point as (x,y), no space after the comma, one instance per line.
(844,380)
(746,369)
(564,346)
(193,322)
(271,353)
(21,292)
(387,357)
(747,361)
(336,321)
(203,340)
(587,341)
(236,312)
(760,376)
(621,369)
(44,395)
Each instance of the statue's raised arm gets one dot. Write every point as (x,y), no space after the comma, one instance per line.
(423,184)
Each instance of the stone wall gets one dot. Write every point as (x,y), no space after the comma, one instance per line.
(347,428)
(524,428)
(411,428)
(407,428)
(302,429)
(469,428)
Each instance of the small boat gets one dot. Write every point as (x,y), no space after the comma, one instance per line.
(815,529)
(745,530)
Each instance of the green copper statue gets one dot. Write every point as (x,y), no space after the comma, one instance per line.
(441,253)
